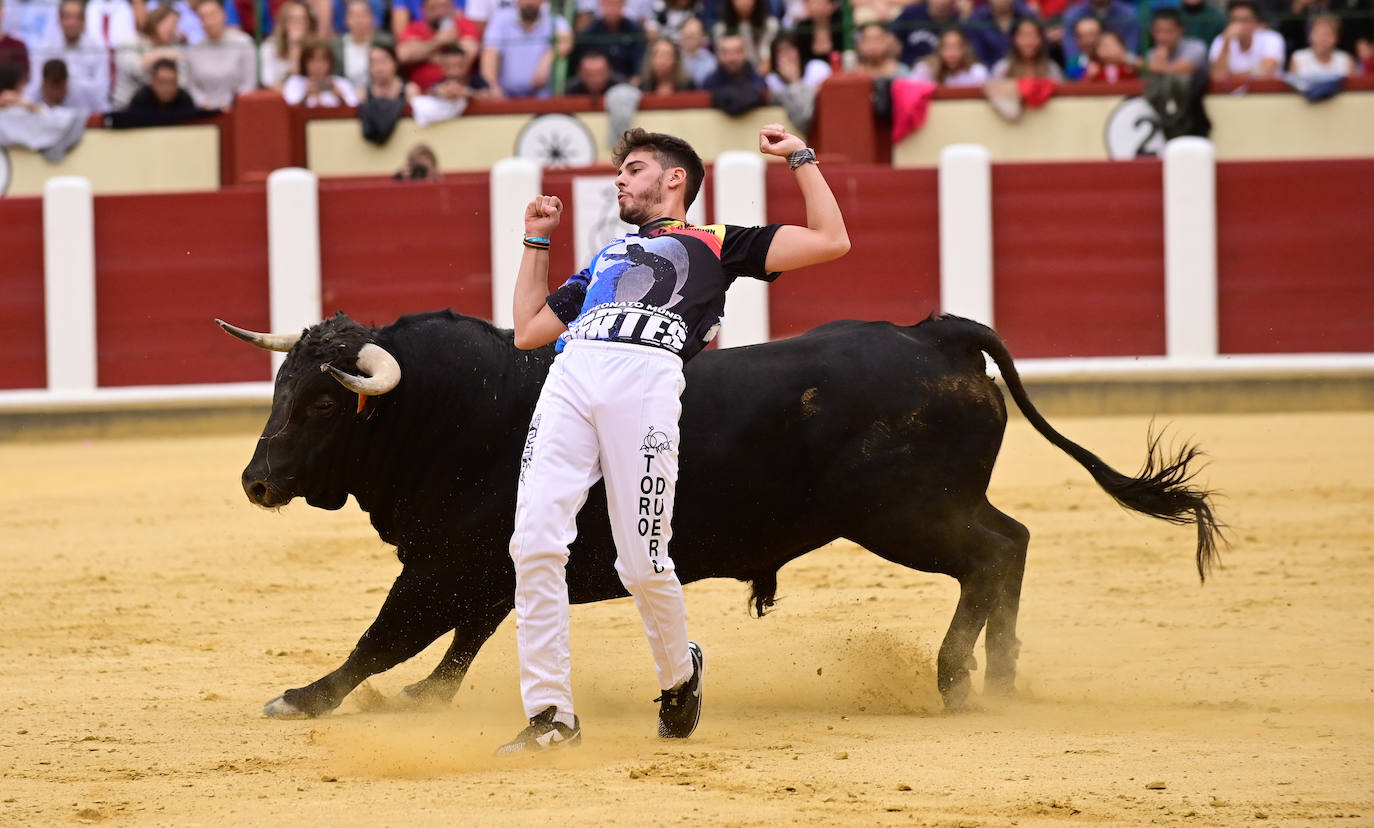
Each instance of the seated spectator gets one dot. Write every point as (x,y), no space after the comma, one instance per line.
(223,66)
(281,53)
(696,54)
(594,76)
(189,25)
(735,87)
(1114,15)
(1355,18)
(52,87)
(1321,58)
(158,40)
(1028,57)
(664,72)
(316,83)
(953,64)
(1113,63)
(788,68)
(820,32)
(456,79)
(52,132)
(384,75)
(353,48)
(1202,20)
(84,57)
(1244,49)
(920,25)
(422,39)
(162,94)
(876,50)
(640,12)
(755,26)
(518,49)
(989,28)
(1173,53)
(620,40)
(1086,34)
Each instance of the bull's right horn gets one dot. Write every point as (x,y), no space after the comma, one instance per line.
(268,342)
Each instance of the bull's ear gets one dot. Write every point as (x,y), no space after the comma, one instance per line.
(382,370)
(266,341)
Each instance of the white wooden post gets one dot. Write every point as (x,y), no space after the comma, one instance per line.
(740,199)
(966,286)
(293,252)
(69,283)
(1190,248)
(514,184)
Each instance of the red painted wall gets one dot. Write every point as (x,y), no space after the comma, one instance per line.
(1078,258)
(1295,259)
(166,266)
(893,268)
(23,351)
(389,248)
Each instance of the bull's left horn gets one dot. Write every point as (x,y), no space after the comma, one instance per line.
(268,342)
(382,369)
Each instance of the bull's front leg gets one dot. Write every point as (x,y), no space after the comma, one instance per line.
(469,634)
(416,612)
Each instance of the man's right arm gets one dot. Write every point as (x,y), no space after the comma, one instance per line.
(535,322)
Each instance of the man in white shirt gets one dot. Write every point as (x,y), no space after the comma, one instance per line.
(110,21)
(1244,49)
(87,59)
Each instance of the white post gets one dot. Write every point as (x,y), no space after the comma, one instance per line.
(966,231)
(514,184)
(1190,248)
(741,200)
(293,252)
(69,283)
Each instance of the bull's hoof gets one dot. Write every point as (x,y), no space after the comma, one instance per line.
(427,693)
(956,694)
(280,708)
(1004,686)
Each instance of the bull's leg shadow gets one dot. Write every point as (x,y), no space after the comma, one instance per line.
(469,634)
(1002,646)
(416,612)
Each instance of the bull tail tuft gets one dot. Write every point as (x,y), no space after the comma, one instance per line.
(763,590)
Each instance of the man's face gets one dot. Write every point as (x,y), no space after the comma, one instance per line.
(454,66)
(164,83)
(873,44)
(612,10)
(437,10)
(1001,6)
(1086,33)
(54,94)
(1243,18)
(692,36)
(730,52)
(72,18)
(358,19)
(940,9)
(211,19)
(529,9)
(595,73)
(1166,33)
(641,187)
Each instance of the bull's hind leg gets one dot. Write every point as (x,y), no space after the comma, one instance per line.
(1002,645)
(978,559)
(469,634)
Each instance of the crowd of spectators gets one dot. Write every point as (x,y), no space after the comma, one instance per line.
(189,56)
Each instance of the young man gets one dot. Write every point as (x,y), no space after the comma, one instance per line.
(648,302)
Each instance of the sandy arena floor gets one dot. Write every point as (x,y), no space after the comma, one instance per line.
(147,611)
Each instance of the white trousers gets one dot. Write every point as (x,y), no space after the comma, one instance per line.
(607,409)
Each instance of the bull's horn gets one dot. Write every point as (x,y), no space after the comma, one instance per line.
(382,369)
(268,342)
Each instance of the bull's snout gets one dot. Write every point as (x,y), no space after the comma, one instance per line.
(261,492)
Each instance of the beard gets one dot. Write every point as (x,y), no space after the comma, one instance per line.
(529,15)
(638,212)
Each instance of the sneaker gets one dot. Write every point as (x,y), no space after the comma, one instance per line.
(680,709)
(543,734)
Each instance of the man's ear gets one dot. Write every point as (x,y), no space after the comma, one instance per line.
(677,177)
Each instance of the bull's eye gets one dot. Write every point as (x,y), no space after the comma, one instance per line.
(324,405)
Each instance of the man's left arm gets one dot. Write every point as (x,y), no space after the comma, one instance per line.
(824,237)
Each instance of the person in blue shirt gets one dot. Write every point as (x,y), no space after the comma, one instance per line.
(1114,15)
(989,28)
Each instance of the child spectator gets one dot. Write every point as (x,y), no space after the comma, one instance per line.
(1113,63)
(422,39)
(953,64)
(755,26)
(519,47)
(223,65)
(735,87)
(317,83)
(820,32)
(664,72)
(1173,53)
(158,40)
(920,25)
(877,50)
(1114,15)
(353,48)
(1086,32)
(617,38)
(989,28)
(281,53)
(1244,49)
(696,55)
(162,94)
(86,59)
(1028,57)
(1321,58)
(594,76)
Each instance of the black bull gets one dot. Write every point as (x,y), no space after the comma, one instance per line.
(881,434)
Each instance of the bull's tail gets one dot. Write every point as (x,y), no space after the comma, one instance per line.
(1162,489)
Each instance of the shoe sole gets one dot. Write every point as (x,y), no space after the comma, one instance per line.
(517,749)
(701,696)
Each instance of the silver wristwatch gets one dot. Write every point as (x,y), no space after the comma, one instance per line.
(805,155)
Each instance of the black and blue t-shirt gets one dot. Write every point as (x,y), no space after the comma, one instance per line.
(663,286)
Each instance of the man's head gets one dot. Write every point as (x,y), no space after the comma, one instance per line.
(594,70)
(940,9)
(1086,33)
(1323,34)
(453,62)
(163,80)
(71,17)
(359,21)
(874,44)
(612,10)
(54,88)
(1002,7)
(529,9)
(692,35)
(731,54)
(437,11)
(212,18)
(1167,28)
(1244,17)
(659,176)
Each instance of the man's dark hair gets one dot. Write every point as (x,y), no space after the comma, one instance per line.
(1170,14)
(11,75)
(162,63)
(1243,4)
(452,49)
(55,71)
(670,152)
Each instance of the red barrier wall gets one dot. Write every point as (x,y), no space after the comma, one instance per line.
(166,266)
(389,248)
(23,350)
(893,268)
(1295,262)
(1078,258)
